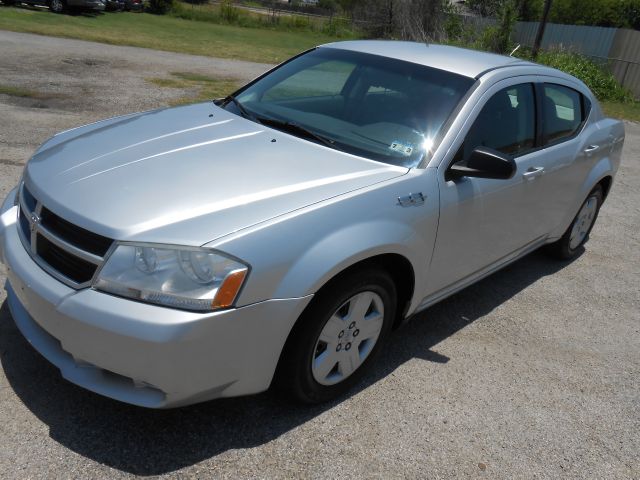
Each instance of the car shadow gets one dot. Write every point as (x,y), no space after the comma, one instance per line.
(152,442)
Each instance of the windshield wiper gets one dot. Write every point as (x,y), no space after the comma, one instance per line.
(297,128)
(243,111)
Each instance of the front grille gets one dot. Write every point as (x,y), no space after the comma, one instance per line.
(68,252)
(79,237)
(24,225)
(78,270)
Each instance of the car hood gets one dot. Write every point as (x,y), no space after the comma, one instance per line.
(187,175)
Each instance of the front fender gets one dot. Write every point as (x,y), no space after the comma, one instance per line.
(296,254)
(336,251)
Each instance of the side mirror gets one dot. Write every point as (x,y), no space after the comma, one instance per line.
(484,163)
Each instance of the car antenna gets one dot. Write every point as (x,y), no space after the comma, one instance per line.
(514,50)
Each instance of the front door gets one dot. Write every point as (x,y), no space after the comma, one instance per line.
(484,220)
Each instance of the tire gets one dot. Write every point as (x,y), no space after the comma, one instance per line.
(332,345)
(57,6)
(570,245)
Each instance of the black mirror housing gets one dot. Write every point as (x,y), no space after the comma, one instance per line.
(484,163)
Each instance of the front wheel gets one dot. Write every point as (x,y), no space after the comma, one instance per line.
(578,232)
(338,336)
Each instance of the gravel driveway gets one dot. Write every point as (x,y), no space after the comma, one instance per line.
(532,373)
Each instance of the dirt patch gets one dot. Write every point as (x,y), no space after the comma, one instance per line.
(196,87)
(66,83)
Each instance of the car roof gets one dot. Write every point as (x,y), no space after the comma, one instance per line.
(470,63)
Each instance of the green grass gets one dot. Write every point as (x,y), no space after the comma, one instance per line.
(18,92)
(166,33)
(207,88)
(229,14)
(622,110)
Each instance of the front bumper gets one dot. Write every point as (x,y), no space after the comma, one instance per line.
(137,353)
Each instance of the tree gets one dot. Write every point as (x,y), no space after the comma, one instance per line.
(486,8)
(330,5)
(505,27)
(529,10)
(543,23)
(420,20)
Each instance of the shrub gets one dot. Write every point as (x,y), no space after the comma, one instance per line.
(601,82)
(228,12)
(159,6)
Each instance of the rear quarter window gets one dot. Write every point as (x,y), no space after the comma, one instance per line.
(564,112)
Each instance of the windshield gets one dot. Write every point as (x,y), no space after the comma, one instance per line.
(376,107)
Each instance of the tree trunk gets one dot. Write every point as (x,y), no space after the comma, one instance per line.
(541,27)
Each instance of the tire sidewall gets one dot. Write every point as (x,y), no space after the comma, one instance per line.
(567,251)
(300,349)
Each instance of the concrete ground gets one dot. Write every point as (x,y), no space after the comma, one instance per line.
(532,373)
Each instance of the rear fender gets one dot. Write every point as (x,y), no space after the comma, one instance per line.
(611,133)
(602,169)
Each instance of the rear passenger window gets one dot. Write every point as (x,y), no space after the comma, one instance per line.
(506,123)
(564,112)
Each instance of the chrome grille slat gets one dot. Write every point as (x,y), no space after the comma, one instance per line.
(89,257)
(70,259)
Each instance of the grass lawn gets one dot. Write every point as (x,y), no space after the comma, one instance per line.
(17,91)
(625,111)
(186,36)
(207,88)
(165,33)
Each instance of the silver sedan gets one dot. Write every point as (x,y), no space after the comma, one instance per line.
(277,236)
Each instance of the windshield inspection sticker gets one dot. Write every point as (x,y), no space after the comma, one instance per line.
(403,148)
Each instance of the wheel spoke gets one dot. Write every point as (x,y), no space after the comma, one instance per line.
(359,305)
(349,362)
(370,327)
(334,326)
(324,363)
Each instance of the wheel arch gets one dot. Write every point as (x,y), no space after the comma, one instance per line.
(601,174)
(606,183)
(396,265)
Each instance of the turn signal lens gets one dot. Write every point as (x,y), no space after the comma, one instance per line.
(229,289)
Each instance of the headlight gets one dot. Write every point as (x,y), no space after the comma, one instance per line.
(180,277)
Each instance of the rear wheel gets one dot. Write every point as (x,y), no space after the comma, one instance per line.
(338,336)
(57,6)
(578,232)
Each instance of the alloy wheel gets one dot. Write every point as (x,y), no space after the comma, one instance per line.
(347,338)
(583,222)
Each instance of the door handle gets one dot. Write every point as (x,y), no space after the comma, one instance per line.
(533,172)
(591,149)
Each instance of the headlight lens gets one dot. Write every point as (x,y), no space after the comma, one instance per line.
(179,277)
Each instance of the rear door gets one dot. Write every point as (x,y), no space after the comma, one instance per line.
(568,150)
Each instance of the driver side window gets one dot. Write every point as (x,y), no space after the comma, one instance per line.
(506,123)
